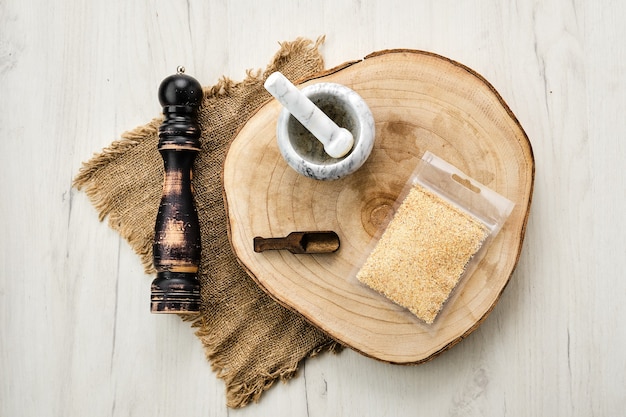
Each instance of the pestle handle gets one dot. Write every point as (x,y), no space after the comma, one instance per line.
(337,141)
(176,249)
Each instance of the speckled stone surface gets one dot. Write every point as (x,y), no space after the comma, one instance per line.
(306,155)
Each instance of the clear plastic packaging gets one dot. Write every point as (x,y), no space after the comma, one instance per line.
(442,225)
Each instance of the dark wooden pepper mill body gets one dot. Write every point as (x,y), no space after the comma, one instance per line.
(177,244)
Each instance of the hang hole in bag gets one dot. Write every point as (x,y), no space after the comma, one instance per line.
(466,183)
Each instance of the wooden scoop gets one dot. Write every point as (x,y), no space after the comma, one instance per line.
(300,242)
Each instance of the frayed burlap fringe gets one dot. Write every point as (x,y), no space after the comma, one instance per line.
(250,340)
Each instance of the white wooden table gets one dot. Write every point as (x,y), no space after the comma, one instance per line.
(76,335)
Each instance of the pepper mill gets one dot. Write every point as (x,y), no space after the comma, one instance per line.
(177,244)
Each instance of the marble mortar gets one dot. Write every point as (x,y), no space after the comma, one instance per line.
(306,155)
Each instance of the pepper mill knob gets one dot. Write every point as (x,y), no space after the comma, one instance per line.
(177,246)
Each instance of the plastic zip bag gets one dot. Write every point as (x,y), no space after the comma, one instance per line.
(441,228)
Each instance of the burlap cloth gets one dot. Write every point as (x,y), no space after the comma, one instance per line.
(249,339)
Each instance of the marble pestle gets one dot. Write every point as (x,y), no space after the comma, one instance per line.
(337,141)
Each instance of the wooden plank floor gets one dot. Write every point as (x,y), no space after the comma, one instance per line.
(76,335)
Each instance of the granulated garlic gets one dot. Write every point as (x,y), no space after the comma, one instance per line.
(423,253)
